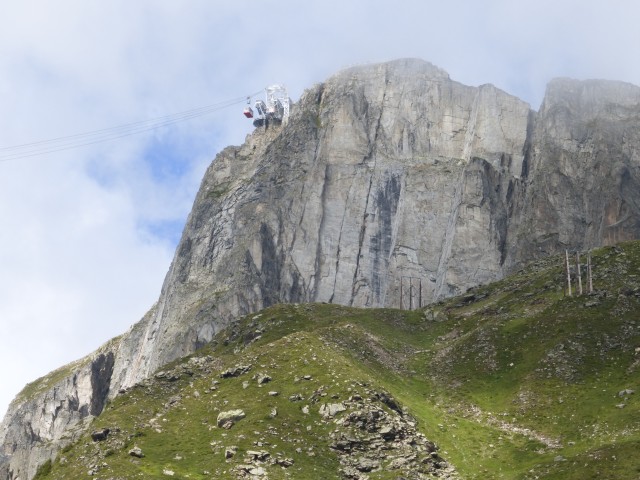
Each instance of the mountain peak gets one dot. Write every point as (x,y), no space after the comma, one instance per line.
(400,67)
(591,94)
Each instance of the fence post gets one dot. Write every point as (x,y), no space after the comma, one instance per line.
(590,279)
(578,273)
(566,266)
(410,293)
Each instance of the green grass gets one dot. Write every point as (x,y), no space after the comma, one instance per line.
(513,381)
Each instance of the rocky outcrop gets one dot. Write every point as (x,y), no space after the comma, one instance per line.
(582,170)
(382,173)
(50,413)
(370,438)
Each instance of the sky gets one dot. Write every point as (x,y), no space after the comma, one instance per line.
(87,234)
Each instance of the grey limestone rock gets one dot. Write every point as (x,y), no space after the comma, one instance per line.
(228,418)
(328,410)
(582,169)
(51,412)
(136,452)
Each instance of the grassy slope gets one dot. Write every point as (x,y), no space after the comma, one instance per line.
(512,380)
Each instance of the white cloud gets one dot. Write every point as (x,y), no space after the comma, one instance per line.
(86,234)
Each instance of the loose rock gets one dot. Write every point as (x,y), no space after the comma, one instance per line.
(136,452)
(230,417)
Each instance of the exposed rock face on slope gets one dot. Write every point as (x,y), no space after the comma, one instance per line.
(383,172)
(583,172)
(49,414)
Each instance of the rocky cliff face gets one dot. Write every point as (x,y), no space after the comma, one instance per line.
(49,414)
(383,173)
(583,173)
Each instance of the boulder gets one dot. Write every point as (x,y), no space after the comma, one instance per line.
(100,435)
(136,452)
(328,410)
(229,418)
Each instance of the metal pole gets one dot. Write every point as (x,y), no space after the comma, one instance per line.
(566,266)
(589,272)
(578,273)
(410,293)
(401,305)
(420,297)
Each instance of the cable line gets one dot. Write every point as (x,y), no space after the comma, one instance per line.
(68,142)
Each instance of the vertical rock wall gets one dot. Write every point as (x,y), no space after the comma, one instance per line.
(382,172)
(49,414)
(584,181)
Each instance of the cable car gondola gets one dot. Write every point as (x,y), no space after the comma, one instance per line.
(275,107)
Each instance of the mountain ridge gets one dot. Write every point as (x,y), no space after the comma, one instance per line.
(383,172)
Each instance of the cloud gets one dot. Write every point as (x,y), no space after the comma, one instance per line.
(88,234)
